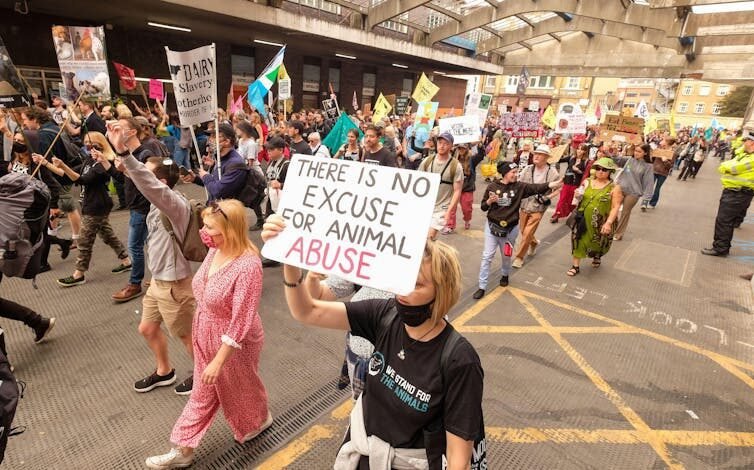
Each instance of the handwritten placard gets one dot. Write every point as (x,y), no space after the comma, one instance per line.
(349,219)
(156,90)
(465,129)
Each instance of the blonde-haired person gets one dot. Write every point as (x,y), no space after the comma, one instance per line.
(227,338)
(94,139)
(123,111)
(409,333)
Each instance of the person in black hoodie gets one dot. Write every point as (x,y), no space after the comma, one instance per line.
(501,201)
(96,205)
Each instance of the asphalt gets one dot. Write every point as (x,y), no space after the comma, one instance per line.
(646,362)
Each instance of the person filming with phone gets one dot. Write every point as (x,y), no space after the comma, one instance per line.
(225,184)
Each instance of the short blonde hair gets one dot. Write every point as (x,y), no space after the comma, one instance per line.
(123,111)
(98,138)
(445,270)
(233,224)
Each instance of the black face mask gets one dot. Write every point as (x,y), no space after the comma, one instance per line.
(18,147)
(414,315)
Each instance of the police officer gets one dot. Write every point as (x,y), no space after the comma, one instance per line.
(738,190)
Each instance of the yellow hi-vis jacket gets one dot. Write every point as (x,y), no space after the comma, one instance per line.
(738,173)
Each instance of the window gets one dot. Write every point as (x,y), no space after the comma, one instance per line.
(512,80)
(631,95)
(629,104)
(320,5)
(311,78)
(408,86)
(704,90)
(540,81)
(490,81)
(370,79)
(716,108)
(683,107)
(573,83)
(334,75)
(646,94)
(688,90)
(699,108)
(723,90)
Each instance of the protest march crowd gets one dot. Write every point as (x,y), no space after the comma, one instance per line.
(89,158)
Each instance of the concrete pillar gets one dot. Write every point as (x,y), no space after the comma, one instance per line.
(749,114)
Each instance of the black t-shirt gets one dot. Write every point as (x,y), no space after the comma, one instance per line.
(403,396)
(95,196)
(134,199)
(300,147)
(382,157)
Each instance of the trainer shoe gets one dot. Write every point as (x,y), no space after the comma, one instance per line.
(185,387)
(153,381)
(131,291)
(478,294)
(713,252)
(41,332)
(504,281)
(121,268)
(71,281)
(517,263)
(533,247)
(267,423)
(447,230)
(173,459)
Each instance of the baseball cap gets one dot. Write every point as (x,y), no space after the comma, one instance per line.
(274,143)
(446,136)
(505,167)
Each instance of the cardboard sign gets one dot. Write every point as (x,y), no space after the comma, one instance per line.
(401,105)
(284,89)
(571,123)
(557,153)
(521,124)
(664,154)
(156,90)
(465,129)
(194,83)
(82,60)
(12,91)
(349,219)
(626,129)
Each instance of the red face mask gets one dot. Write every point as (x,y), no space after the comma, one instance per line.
(207,239)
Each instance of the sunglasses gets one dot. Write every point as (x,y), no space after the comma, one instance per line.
(216,208)
(96,147)
(599,168)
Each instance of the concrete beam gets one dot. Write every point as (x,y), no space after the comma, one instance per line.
(390,9)
(609,10)
(292,23)
(583,24)
(687,3)
(720,24)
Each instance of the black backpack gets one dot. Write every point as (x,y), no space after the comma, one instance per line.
(252,192)
(74,156)
(10,392)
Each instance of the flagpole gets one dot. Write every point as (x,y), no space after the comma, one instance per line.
(217,119)
(196,146)
(62,128)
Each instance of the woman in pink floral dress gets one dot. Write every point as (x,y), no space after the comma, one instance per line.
(227,338)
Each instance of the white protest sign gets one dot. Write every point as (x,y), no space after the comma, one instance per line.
(365,223)
(284,88)
(465,129)
(194,84)
(570,120)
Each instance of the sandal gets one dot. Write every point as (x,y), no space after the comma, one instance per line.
(573,271)
(596,262)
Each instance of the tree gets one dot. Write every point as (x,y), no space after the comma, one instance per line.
(734,104)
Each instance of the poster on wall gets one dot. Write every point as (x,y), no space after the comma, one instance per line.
(82,60)
(13,93)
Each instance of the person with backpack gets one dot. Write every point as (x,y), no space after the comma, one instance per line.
(469,158)
(451,184)
(36,119)
(172,229)
(424,415)
(96,206)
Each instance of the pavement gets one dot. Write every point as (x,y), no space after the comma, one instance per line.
(644,363)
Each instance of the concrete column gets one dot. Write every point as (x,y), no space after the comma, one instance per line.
(749,114)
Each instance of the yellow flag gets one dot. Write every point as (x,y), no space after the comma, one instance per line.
(381,109)
(672,123)
(548,118)
(282,72)
(650,125)
(424,90)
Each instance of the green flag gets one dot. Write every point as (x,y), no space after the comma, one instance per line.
(339,133)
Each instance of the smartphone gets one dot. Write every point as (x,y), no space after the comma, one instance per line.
(183,170)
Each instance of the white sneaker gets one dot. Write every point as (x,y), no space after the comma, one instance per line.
(267,423)
(517,263)
(533,248)
(173,459)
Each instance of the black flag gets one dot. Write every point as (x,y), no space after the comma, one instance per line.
(523,82)
(12,90)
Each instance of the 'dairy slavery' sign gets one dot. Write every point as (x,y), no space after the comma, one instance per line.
(194,84)
(350,219)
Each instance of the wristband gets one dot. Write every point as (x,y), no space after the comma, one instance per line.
(297,283)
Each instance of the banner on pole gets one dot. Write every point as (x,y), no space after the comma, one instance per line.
(326,234)
(381,109)
(425,116)
(331,108)
(13,93)
(194,84)
(401,105)
(284,89)
(524,124)
(425,90)
(81,57)
(478,104)
(156,89)
(465,129)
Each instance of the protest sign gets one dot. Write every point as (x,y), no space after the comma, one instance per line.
(664,154)
(465,129)
(126,75)
(622,129)
(663,124)
(13,93)
(156,89)
(521,124)
(284,89)
(425,116)
(331,108)
(381,109)
(81,57)
(556,153)
(478,104)
(425,90)
(349,219)
(570,120)
(401,105)
(194,84)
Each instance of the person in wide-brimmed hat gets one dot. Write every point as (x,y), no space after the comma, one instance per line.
(596,216)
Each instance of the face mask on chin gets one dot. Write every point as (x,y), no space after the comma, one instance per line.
(414,315)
